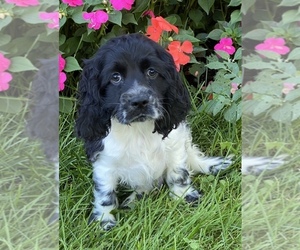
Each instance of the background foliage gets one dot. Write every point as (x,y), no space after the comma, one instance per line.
(203,23)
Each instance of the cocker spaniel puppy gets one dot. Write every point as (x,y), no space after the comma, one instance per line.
(131,116)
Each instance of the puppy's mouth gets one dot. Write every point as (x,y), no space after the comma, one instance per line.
(130,116)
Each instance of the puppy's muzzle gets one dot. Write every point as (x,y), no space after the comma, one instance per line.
(138,105)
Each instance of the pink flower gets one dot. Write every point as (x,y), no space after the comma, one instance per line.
(96,18)
(53,18)
(73,3)
(5,78)
(4,63)
(122,4)
(62,63)
(225,45)
(62,75)
(23,3)
(234,87)
(274,44)
(287,87)
(62,79)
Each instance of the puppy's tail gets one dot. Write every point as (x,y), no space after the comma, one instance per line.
(199,163)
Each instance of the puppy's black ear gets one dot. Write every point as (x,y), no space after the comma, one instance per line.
(93,118)
(176,101)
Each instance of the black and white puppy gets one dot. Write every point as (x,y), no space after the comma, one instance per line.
(131,116)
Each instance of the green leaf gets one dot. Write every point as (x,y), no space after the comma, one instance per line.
(184,35)
(206,5)
(235,3)
(292,95)
(230,114)
(238,54)
(65,105)
(296,111)
(71,64)
(261,107)
(218,107)
(19,64)
(235,17)
(247,4)
(294,54)
(290,16)
(257,34)
(116,17)
(129,18)
(4,39)
(10,105)
(215,65)
(289,3)
(283,113)
(31,15)
(77,15)
(141,6)
(258,65)
(196,15)
(215,34)
(4,22)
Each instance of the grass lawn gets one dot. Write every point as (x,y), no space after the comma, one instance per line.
(157,221)
(26,187)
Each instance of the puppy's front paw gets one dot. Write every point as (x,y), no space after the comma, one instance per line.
(193,197)
(107,221)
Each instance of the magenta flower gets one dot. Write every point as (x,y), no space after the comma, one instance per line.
(62,79)
(23,3)
(4,63)
(5,78)
(225,45)
(276,45)
(62,63)
(234,87)
(96,18)
(53,18)
(62,75)
(73,3)
(122,4)
(287,87)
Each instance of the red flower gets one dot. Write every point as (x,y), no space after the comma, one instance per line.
(178,52)
(158,25)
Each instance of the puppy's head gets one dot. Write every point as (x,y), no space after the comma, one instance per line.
(132,79)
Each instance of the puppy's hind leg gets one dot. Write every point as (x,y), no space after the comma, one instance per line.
(204,164)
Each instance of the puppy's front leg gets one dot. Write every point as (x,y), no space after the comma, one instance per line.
(105,199)
(179,182)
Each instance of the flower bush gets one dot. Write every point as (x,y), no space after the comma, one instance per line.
(28,35)
(196,34)
(271,66)
(188,31)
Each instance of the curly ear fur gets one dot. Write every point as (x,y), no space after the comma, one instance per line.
(93,119)
(176,101)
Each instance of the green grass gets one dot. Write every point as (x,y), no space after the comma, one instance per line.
(271,201)
(26,186)
(157,221)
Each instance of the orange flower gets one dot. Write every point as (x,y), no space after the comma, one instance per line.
(158,25)
(178,52)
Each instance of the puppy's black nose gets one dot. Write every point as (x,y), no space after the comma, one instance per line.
(136,101)
(139,101)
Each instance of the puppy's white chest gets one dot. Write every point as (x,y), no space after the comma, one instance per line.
(135,154)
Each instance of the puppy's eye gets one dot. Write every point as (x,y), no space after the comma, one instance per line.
(152,73)
(116,78)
